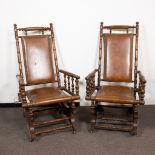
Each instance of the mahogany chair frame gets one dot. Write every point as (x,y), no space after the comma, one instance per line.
(94,81)
(69,86)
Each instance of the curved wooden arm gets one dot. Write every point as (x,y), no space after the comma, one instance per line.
(91,74)
(22,93)
(69,73)
(20,81)
(90,84)
(141,88)
(141,77)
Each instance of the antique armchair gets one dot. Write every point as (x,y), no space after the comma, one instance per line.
(41,89)
(116,83)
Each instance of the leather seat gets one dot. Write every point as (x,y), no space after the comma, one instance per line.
(116,94)
(47,95)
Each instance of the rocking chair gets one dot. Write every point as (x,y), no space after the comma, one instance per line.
(40,87)
(118,83)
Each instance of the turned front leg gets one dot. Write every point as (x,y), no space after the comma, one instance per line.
(135,120)
(73,112)
(93,112)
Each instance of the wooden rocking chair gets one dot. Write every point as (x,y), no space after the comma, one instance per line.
(118,84)
(40,86)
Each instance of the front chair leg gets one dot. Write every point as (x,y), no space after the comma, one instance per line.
(72,115)
(93,120)
(30,121)
(135,120)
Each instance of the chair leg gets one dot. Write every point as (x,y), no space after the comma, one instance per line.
(135,120)
(72,115)
(94,113)
(30,121)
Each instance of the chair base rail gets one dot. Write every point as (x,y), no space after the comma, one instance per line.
(61,117)
(38,133)
(114,128)
(109,118)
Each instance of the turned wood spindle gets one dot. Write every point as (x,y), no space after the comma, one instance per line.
(68,83)
(73,85)
(77,86)
(65,84)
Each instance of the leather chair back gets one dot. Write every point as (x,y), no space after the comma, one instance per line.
(38,59)
(118,55)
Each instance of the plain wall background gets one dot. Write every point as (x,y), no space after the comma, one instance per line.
(76,24)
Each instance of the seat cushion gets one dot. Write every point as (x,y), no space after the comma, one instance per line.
(47,96)
(116,94)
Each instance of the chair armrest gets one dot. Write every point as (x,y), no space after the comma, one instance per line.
(20,81)
(22,93)
(90,83)
(91,74)
(141,87)
(141,77)
(69,73)
(71,82)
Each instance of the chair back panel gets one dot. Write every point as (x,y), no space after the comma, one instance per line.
(118,53)
(38,59)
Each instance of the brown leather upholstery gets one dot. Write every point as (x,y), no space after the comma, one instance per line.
(116,94)
(118,57)
(37,59)
(44,96)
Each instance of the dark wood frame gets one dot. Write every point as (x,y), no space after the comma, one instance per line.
(70,86)
(91,86)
